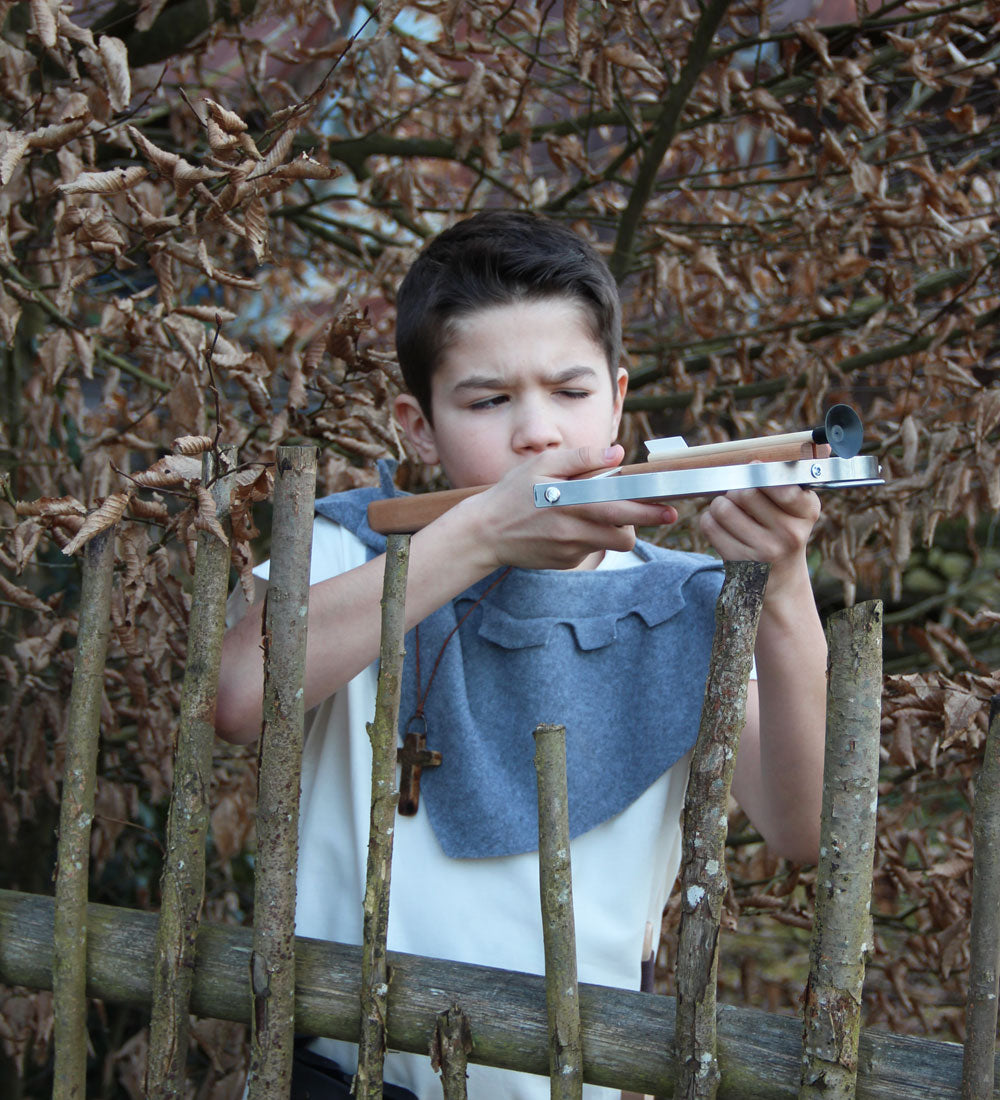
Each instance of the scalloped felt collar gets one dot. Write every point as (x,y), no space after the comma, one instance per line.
(617,656)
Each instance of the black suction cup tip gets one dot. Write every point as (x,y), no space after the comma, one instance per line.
(843,430)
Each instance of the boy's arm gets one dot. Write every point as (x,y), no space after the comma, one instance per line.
(496,528)
(779,767)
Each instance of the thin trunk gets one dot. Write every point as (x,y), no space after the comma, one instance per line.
(182,884)
(272,962)
(76,815)
(663,133)
(842,931)
(703,867)
(383,733)
(558,929)
(984,963)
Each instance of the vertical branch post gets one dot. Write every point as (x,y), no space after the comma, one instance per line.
(272,961)
(450,1049)
(558,928)
(76,815)
(703,868)
(984,962)
(842,928)
(182,884)
(383,733)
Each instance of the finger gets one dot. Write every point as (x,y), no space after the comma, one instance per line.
(632,513)
(795,500)
(733,522)
(580,460)
(728,544)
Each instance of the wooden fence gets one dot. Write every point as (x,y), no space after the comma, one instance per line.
(176,964)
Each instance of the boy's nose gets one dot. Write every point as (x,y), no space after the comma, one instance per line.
(534,432)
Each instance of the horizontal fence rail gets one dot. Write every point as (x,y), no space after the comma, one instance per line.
(625,1034)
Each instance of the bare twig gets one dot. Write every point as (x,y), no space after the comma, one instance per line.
(450,1049)
(272,970)
(842,935)
(183,878)
(984,963)
(76,813)
(703,868)
(558,929)
(383,735)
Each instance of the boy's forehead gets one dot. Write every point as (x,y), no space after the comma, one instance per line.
(547,333)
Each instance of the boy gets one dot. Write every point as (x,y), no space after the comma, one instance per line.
(509,338)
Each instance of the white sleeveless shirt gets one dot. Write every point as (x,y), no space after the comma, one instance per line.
(483,911)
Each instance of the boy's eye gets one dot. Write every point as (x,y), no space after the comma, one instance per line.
(490,402)
(575,394)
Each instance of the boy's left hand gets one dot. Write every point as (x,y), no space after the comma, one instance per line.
(771,525)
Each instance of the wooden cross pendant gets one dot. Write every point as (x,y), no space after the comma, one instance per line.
(414,756)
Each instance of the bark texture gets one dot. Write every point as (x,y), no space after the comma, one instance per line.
(984,962)
(841,937)
(703,866)
(558,928)
(383,735)
(272,964)
(76,815)
(182,884)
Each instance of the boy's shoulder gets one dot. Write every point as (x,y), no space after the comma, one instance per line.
(350,509)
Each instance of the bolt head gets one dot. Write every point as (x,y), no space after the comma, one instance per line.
(815,469)
(552,494)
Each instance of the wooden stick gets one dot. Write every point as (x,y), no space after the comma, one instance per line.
(182,883)
(383,733)
(984,963)
(76,815)
(272,963)
(842,932)
(408,514)
(703,866)
(558,929)
(624,1032)
(450,1050)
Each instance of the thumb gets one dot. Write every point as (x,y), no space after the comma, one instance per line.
(582,460)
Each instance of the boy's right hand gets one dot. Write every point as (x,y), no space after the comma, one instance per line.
(514,532)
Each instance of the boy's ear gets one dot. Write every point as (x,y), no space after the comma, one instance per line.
(413,420)
(621,385)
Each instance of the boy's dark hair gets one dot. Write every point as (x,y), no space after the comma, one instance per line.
(495,258)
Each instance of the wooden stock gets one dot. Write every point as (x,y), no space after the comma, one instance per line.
(403,515)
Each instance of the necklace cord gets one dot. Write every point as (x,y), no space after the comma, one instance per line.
(422,695)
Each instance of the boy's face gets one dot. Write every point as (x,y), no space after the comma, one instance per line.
(514,381)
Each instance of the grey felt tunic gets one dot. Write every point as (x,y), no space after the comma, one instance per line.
(619,657)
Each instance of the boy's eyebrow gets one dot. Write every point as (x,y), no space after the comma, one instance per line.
(496,381)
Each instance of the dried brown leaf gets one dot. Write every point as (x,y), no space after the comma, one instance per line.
(207,516)
(13,145)
(114,58)
(10,314)
(170,472)
(22,597)
(43,18)
(192,444)
(155,510)
(227,120)
(104,183)
(571,21)
(108,514)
